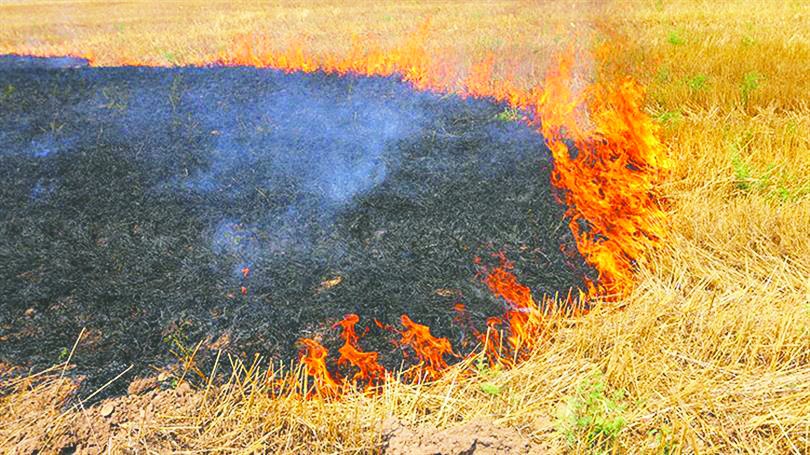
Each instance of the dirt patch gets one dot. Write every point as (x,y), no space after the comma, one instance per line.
(480,437)
(43,414)
(31,417)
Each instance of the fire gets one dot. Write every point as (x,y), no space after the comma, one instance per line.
(608,181)
(313,358)
(428,349)
(369,370)
(523,313)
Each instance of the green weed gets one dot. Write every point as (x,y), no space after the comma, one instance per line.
(509,115)
(674,38)
(171,58)
(592,416)
(747,41)
(743,177)
(176,92)
(749,83)
(8,90)
(697,83)
(774,182)
(670,118)
(490,389)
(178,340)
(487,373)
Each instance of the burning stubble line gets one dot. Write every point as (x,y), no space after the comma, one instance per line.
(609,186)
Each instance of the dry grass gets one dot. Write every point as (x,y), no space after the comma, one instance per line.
(712,347)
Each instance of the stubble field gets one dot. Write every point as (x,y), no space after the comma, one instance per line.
(709,352)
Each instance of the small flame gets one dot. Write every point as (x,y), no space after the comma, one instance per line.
(522,314)
(428,349)
(313,358)
(369,370)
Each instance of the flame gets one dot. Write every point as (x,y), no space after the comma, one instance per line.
(608,164)
(611,177)
(523,314)
(428,349)
(313,358)
(369,370)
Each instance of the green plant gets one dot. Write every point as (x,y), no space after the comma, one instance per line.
(743,177)
(8,90)
(675,39)
(508,115)
(171,58)
(487,373)
(749,83)
(63,354)
(697,83)
(591,416)
(490,389)
(176,92)
(670,118)
(178,340)
(774,182)
(747,40)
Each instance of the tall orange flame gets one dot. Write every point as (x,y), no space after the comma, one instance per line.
(611,176)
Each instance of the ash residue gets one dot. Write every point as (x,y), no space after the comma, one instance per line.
(138,202)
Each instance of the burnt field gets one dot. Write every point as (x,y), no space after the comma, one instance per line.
(249,208)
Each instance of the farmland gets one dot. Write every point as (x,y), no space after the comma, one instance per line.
(707,352)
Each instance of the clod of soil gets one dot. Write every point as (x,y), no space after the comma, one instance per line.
(479,437)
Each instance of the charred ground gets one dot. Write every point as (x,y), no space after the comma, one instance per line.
(138,202)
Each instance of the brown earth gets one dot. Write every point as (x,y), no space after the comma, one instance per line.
(34,423)
(479,436)
(36,419)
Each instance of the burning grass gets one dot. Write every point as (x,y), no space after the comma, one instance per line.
(710,346)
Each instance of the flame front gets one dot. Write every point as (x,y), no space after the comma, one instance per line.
(610,180)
